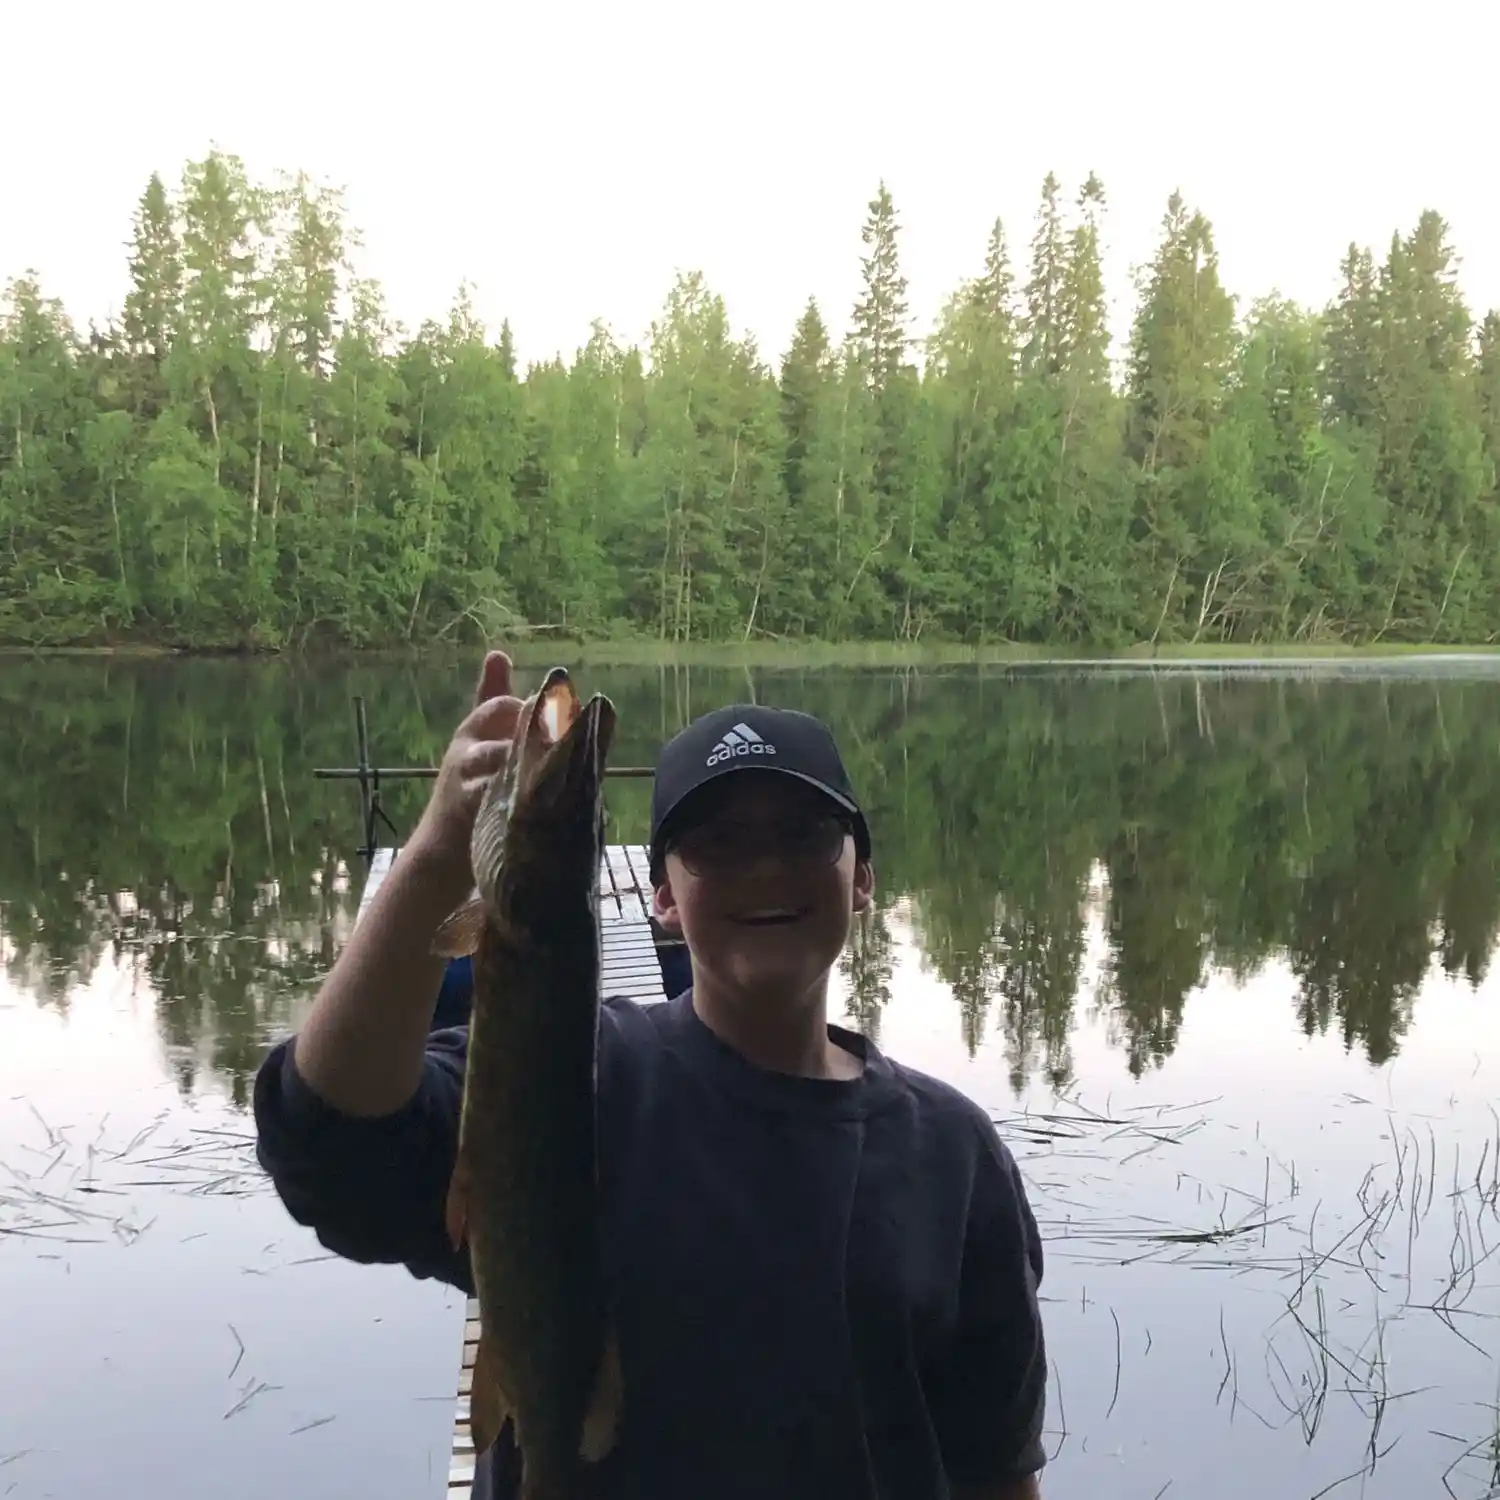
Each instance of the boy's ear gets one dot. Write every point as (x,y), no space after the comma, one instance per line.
(864,883)
(664,908)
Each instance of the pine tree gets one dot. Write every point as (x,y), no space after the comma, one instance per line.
(970,390)
(1350,356)
(54,551)
(1488,390)
(880,589)
(1486,528)
(1088,521)
(342,548)
(1081,311)
(1180,357)
(213,373)
(1044,288)
(293,474)
(711,464)
(1431,467)
(805,378)
(571,488)
(880,315)
(815,407)
(153,305)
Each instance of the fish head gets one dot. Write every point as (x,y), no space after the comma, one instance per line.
(544,721)
(567,744)
(548,799)
(561,743)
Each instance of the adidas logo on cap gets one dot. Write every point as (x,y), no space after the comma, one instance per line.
(740,741)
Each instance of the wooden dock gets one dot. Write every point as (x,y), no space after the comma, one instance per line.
(631,969)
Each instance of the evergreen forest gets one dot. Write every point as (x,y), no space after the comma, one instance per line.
(253,456)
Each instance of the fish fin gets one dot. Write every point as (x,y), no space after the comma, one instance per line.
(489,1406)
(601,1425)
(458,935)
(456,1210)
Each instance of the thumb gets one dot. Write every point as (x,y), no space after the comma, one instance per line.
(494,677)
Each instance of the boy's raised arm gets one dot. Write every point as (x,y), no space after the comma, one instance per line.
(372,1188)
(361,1048)
(357,1115)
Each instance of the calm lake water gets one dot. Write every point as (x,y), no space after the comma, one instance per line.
(1216,950)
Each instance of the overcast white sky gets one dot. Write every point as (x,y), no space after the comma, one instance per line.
(568,158)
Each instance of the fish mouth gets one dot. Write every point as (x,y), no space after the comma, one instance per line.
(597,732)
(560,752)
(577,760)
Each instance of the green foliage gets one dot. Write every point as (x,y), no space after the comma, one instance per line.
(253,456)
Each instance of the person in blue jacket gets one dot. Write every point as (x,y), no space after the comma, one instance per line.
(822,1265)
(456,993)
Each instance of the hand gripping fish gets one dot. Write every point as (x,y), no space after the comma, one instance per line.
(524,1189)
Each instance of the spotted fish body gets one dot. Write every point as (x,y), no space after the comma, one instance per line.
(524,1192)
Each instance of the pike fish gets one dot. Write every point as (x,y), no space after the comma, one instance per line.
(524,1189)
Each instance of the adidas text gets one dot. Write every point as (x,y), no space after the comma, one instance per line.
(740,741)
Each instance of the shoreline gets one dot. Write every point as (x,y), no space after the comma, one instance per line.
(792,655)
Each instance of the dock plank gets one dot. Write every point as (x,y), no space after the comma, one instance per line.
(617,954)
(624,885)
(380,867)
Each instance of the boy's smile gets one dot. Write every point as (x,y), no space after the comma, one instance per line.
(776,917)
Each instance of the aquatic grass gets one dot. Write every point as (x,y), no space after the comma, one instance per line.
(65,1190)
(63,1187)
(1479,1458)
(1415,1237)
(1418,1235)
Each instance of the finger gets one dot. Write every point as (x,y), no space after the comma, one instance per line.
(494,677)
(483,759)
(494,719)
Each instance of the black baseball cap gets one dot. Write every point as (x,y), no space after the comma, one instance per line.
(745,737)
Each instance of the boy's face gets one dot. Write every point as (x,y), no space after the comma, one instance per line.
(761,879)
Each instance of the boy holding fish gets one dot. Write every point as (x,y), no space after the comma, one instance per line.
(820,1269)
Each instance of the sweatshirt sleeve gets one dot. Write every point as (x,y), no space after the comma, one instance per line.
(373,1190)
(991,1394)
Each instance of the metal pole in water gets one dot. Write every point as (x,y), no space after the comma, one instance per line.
(369,775)
(366,801)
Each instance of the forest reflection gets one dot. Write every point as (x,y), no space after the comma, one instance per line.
(165,814)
